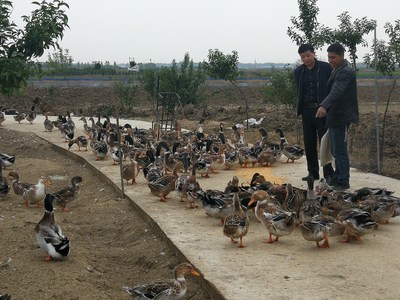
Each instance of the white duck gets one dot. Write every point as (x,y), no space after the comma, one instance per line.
(253,123)
(35,193)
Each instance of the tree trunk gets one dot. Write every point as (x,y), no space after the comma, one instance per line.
(245,100)
(384,119)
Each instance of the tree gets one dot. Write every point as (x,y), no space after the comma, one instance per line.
(181,78)
(148,81)
(351,34)
(306,28)
(282,88)
(385,58)
(225,66)
(97,65)
(18,47)
(59,62)
(127,92)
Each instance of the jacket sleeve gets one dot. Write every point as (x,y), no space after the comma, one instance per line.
(339,87)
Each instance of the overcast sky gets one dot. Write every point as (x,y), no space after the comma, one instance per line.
(162,30)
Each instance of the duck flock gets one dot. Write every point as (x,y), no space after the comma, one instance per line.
(172,161)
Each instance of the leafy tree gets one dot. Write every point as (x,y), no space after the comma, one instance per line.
(59,62)
(281,89)
(97,65)
(351,34)
(385,58)
(182,79)
(306,28)
(225,66)
(148,81)
(127,92)
(18,47)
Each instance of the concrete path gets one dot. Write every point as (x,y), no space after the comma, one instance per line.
(289,269)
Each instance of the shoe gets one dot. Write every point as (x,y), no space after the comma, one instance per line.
(306,178)
(331,180)
(339,186)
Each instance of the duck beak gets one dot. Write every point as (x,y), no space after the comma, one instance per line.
(48,182)
(195,273)
(252,200)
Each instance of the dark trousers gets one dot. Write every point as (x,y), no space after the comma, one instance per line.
(340,153)
(313,131)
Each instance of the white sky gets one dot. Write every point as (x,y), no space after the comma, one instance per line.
(162,30)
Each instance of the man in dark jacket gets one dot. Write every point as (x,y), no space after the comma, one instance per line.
(340,107)
(311,82)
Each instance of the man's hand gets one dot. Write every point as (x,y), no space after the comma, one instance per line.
(321,112)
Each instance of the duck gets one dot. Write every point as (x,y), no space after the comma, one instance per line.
(171,161)
(70,122)
(164,185)
(192,185)
(294,199)
(381,210)
(216,203)
(267,157)
(356,222)
(311,207)
(261,195)
(31,116)
(4,186)
(316,230)
(86,128)
(48,125)
(68,193)
(258,182)
(248,155)
(49,235)
(181,184)
(98,146)
(232,185)
(5,297)
(253,122)
(44,106)
(236,225)
(175,288)
(81,141)
(265,143)
(204,162)
(229,156)
(292,152)
(18,186)
(67,132)
(7,160)
(116,154)
(20,117)
(277,221)
(35,193)
(131,171)
(153,168)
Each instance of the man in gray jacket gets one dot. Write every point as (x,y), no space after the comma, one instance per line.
(340,107)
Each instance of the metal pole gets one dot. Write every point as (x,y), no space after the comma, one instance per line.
(378,156)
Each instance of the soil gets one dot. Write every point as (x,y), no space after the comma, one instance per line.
(111,244)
